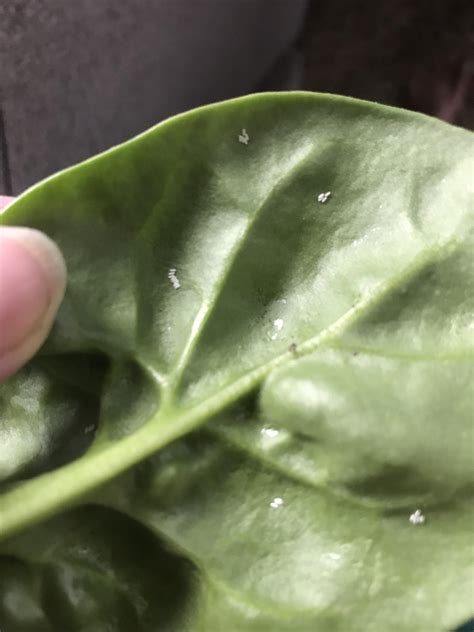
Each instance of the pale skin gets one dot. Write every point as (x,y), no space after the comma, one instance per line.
(32,284)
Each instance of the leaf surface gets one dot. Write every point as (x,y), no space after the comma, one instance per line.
(320,345)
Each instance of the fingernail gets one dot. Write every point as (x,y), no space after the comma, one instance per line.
(32,282)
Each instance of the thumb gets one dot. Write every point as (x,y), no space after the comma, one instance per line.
(32,283)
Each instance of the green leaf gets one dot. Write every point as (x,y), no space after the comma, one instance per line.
(326,338)
(75,576)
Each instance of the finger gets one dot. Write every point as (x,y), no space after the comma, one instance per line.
(32,283)
(4,202)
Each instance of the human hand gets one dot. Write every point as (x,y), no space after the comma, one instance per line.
(32,284)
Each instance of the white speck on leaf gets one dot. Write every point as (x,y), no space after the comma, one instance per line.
(278,325)
(324,197)
(244,137)
(276,503)
(417,517)
(173,278)
(271,433)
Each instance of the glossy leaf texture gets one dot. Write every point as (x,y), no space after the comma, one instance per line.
(291,309)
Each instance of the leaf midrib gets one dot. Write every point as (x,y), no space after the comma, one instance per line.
(39,498)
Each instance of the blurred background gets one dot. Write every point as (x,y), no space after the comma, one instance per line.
(78,77)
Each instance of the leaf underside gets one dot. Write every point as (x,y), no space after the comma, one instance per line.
(254,412)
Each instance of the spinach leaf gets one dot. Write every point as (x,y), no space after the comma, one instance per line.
(255,409)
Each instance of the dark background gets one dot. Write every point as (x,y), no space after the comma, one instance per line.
(78,77)
(415,54)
